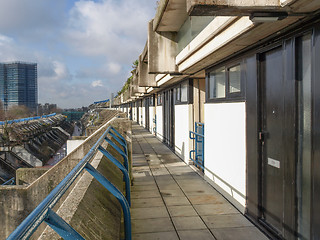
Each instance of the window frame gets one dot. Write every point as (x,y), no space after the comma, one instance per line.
(229,96)
(159,99)
(177,88)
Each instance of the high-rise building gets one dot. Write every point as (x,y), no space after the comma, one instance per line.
(18,84)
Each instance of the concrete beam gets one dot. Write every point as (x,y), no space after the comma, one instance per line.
(246,7)
(145,79)
(162,50)
(134,85)
(170,15)
(230,7)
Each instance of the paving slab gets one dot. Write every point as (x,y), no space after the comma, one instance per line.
(204,234)
(214,209)
(149,212)
(226,221)
(242,233)
(145,194)
(182,211)
(152,225)
(147,202)
(188,223)
(156,236)
(176,201)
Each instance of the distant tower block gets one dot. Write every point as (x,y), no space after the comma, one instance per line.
(19,85)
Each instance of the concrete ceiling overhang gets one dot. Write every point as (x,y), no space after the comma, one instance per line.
(246,7)
(170,15)
(255,34)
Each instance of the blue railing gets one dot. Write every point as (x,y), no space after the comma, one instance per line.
(103,101)
(198,152)
(11,181)
(44,213)
(26,119)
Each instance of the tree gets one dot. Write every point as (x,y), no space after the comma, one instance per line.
(127,83)
(16,112)
(2,115)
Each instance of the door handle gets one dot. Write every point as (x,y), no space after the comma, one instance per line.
(263,136)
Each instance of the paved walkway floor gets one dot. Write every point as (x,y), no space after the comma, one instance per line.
(170,201)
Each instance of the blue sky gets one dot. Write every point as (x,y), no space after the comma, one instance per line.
(84,49)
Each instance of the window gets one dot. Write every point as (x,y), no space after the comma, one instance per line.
(181,93)
(217,83)
(159,99)
(178,95)
(151,102)
(184,92)
(234,79)
(225,83)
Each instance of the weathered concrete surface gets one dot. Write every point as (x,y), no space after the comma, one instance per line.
(245,7)
(28,175)
(145,79)
(162,51)
(16,202)
(170,15)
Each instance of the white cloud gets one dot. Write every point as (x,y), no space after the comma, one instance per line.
(111,28)
(114,68)
(5,40)
(74,45)
(97,83)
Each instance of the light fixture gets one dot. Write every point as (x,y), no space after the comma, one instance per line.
(260,17)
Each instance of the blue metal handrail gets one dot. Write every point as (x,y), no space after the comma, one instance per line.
(11,181)
(44,212)
(26,119)
(198,152)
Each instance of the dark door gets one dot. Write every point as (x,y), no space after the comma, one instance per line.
(137,107)
(168,118)
(147,101)
(271,139)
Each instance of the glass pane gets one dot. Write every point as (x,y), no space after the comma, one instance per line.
(235,79)
(177,90)
(184,92)
(217,84)
(191,28)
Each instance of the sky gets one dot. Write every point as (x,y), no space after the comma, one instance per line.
(84,49)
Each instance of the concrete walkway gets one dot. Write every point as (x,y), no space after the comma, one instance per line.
(171,201)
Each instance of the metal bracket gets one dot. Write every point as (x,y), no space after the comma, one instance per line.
(123,170)
(61,227)
(115,192)
(125,158)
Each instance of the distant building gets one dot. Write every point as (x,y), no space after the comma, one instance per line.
(18,85)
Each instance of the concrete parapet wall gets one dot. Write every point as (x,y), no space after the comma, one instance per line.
(28,175)
(16,202)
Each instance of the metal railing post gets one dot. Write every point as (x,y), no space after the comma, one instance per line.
(61,227)
(125,157)
(123,170)
(115,192)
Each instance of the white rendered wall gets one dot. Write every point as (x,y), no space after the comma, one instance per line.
(225,149)
(159,122)
(181,131)
(142,112)
(151,119)
(134,113)
(72,145)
